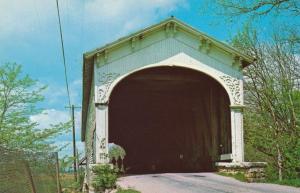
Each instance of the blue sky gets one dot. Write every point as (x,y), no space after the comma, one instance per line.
(29,35)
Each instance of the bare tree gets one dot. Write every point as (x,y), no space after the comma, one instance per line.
(272,94)
(283,14)
(259,7)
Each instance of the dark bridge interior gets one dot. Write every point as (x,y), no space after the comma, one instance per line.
(170,119)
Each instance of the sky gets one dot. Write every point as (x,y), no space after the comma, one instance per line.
(29,35)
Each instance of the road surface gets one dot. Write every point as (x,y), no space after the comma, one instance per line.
(197,183)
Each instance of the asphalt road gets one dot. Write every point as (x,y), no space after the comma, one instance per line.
(197,183)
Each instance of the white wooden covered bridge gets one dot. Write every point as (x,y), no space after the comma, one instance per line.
(170,95)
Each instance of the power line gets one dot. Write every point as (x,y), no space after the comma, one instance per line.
(72,107)
(63,52)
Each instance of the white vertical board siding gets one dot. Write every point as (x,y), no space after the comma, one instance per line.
(161,50)
(164,51)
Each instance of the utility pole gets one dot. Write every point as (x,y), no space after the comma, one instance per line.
(74,141)
(77,163)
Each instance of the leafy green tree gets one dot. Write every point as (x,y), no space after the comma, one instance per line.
(65,163)
(19,95)
(272,97)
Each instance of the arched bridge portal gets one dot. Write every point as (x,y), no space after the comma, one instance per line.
(170,119)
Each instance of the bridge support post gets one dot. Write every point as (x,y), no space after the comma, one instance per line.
(237,133)
(101,142)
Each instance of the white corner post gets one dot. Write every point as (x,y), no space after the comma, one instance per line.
(101,134)
(237,133)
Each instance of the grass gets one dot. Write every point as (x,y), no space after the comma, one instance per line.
(127,191)
(238,176)
(70,186)
(66,180)
(287,182)
(68,183)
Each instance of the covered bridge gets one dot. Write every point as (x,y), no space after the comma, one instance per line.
(170,95)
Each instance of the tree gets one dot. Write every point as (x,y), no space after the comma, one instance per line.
(65,164)
(19,95)
(272,97)
(283,14)
(258,8)
(272,83)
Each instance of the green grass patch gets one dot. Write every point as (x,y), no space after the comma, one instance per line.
(287,182)
(238,176)
(127,191)
(68,183)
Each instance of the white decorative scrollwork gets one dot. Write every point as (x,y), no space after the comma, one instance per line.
(102,144)
(103,157)
(105,80)
(234,86)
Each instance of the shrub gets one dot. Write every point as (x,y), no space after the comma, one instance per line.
(105,177)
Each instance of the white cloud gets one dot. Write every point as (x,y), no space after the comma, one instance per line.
(55,93)
(76,89)
(27,16)
(126,10)
(53,116)
(124,16)
(24,20)
(50,116)
(21,17)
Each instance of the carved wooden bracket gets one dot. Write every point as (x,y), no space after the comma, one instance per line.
(237,62)
(235,90)
(105,55)
(171,29)
(205,44)
(105,80)
(133,43)
(174,29)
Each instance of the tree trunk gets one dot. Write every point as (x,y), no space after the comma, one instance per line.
(279,163)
